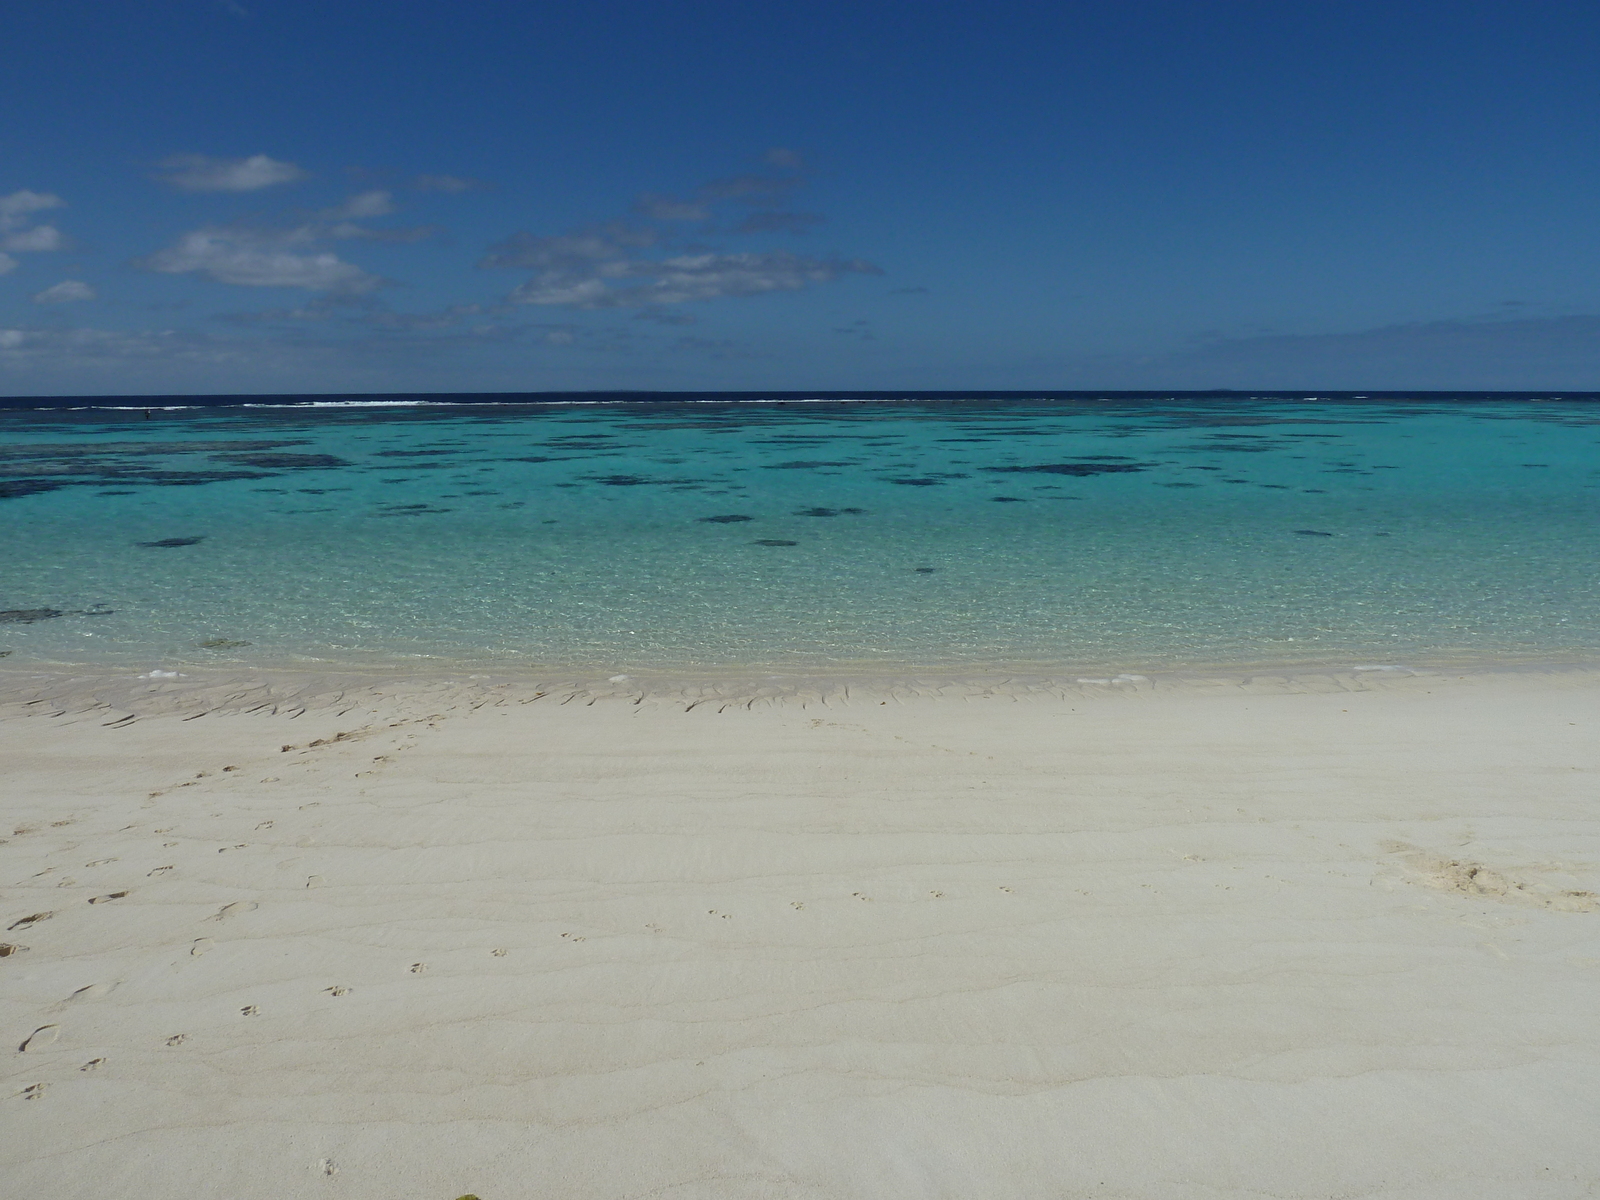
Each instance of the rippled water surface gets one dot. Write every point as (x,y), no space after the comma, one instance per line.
(802,535)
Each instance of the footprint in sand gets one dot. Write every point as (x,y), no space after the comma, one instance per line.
(41,1037)
(337,990)
(234,909)
(419,968)
(1479,881)
(498,952)
(108,896)
(177,1039)
(265,825)
(92,992)
(201,945)
(249,1010)
(94,1064)
(33,1091)
(99,862)
(160,870)
(328,1167)
(7,949)
(24,922)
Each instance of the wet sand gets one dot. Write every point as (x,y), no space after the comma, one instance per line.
(1335,935)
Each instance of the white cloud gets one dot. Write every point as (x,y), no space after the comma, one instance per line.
(255,259)
(199,173)
(15,207)
(364,204)
(65,292)
(7,264)
(40,237)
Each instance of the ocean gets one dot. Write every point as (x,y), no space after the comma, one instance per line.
(876,534)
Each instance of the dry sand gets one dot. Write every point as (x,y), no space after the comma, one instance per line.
(1333,938)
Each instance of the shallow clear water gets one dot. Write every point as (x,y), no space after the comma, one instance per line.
(1116,533)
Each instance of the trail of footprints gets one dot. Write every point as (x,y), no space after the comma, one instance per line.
(47,1035)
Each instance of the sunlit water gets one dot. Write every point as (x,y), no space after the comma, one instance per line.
(879,536)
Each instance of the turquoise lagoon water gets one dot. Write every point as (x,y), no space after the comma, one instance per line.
(679,536)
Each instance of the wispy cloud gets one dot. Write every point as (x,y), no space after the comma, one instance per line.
(17,234)
(254,258)
(14,209)
(7,264)
(637,265)
(376,203)
(65,292)
(452,184)
(200,173)
(614,280)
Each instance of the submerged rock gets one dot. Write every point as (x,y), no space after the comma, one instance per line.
(27,616)
(773,542)
(170,543)
(1313,533)
(220,644)
(727,519)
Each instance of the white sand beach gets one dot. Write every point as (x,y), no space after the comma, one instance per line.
(1329,937)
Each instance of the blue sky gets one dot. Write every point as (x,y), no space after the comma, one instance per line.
(279,196)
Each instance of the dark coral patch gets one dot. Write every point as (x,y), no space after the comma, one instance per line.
(285,461)
(773,542)
(10,489)
(171,543)
(27,616)
(727,519)
(1313,533)
(1073,468)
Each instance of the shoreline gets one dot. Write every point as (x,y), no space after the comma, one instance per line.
(130,693)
